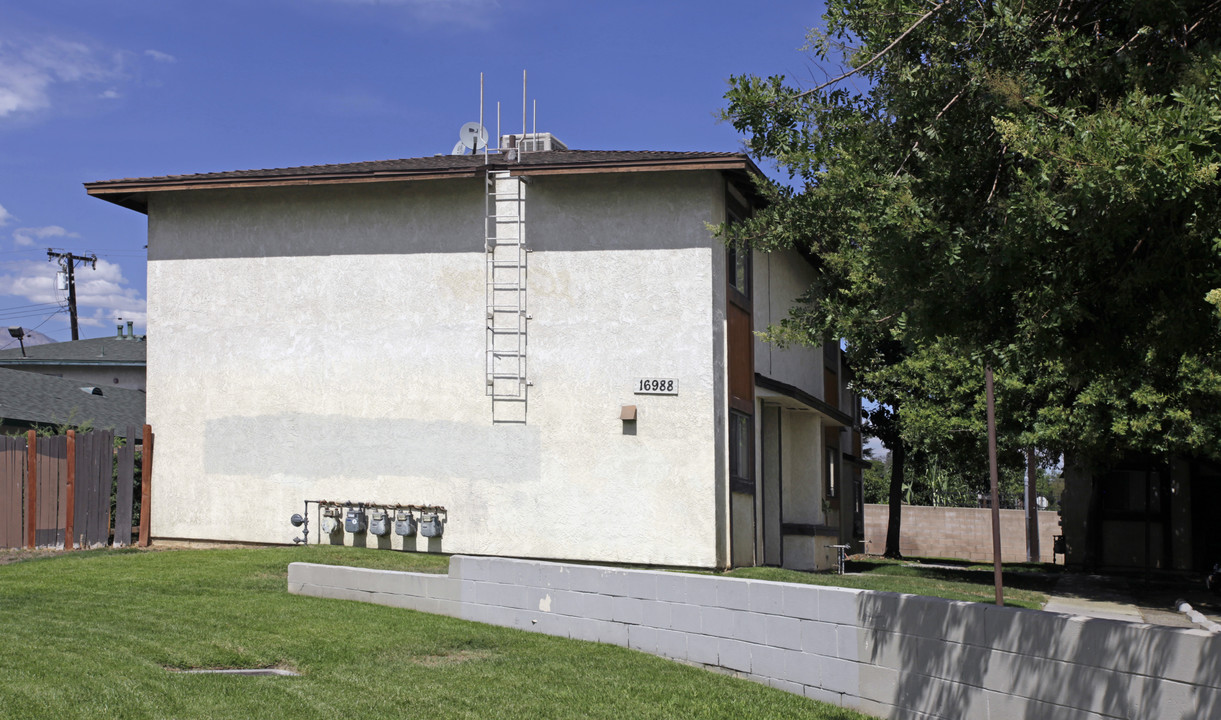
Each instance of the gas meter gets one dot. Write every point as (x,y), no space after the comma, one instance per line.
(404,523)
(330,520)
(431,525)
(379,523)
(356,521)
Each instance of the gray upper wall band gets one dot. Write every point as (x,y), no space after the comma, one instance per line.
(620,211)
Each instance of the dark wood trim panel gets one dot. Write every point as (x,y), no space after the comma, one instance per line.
(803,397)
(744,487)
(807,530)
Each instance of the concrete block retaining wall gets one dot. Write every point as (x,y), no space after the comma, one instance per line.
(964,533)
(885,654)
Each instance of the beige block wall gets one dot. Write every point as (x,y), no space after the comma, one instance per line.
(959,533)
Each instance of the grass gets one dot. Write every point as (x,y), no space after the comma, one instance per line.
(95,635)
(1025,585)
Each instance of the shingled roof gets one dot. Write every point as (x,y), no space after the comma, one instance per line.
(107,351)
(30,398)
(132,192)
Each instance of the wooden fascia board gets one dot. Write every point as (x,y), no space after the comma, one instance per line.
(599,169)
(133,195)
(120,188)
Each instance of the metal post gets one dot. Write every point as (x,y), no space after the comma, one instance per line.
(996,500)
(481,128)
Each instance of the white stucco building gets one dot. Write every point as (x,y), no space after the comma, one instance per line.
(479,335)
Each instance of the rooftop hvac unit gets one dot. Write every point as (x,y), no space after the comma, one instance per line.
(532,142)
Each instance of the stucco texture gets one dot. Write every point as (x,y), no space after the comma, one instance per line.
(328,344)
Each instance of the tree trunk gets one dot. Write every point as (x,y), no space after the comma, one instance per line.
(897,456)
(1032,508)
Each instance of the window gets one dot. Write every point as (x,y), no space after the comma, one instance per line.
(739,269)
(741,465)
(832,473)
(737,265)
(1132,491)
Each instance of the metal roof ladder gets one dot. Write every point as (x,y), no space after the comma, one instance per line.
(507,316)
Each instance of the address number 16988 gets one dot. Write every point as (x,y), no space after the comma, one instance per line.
(656,386)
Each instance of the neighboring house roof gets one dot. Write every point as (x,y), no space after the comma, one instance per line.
(27,398)
(32,338)
(132,192)
(104,351)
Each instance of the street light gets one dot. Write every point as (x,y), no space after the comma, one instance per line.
(19,333)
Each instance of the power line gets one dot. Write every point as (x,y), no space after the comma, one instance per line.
(31,305)
(31,314)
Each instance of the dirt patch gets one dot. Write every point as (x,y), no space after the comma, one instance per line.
(8,557)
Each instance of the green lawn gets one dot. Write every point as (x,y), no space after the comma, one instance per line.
(95,635)
(1025,585)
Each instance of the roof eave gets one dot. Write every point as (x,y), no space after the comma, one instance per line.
(43,362)
(133,194)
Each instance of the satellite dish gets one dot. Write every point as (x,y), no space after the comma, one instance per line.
(474,135)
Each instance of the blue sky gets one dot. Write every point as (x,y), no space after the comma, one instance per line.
(130,88)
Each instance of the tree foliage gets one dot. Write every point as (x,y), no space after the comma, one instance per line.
(1029,182)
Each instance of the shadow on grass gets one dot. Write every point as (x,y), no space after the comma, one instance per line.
(1022,576)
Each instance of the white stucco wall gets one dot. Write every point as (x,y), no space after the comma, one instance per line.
(328,343)
(780,279)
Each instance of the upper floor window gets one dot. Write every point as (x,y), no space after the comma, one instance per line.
(739,270)
(737,264)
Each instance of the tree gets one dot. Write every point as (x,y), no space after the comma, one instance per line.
(1033,182)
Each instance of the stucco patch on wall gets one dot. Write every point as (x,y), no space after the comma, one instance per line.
(365,447)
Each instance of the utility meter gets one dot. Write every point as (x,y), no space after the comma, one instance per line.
(404,523)
(379,523)
(356,521)
(330,519)
(431,525)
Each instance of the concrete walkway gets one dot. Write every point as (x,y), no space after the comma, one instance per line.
(1092,596)
(1112,599)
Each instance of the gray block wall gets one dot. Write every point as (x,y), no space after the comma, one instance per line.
(885,654)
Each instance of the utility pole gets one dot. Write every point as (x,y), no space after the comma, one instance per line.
(68,262)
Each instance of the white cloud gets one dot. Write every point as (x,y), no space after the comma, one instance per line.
(160,56)
(466,13)
(32,280)
(33,69)
(102,294)
(5,217)
(110,94)
(28,237)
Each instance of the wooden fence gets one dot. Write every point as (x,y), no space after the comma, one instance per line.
(74,490)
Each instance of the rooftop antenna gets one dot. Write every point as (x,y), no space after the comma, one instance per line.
(484,132)
(523,115)
(535,128)
(473,136)
(498,126)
